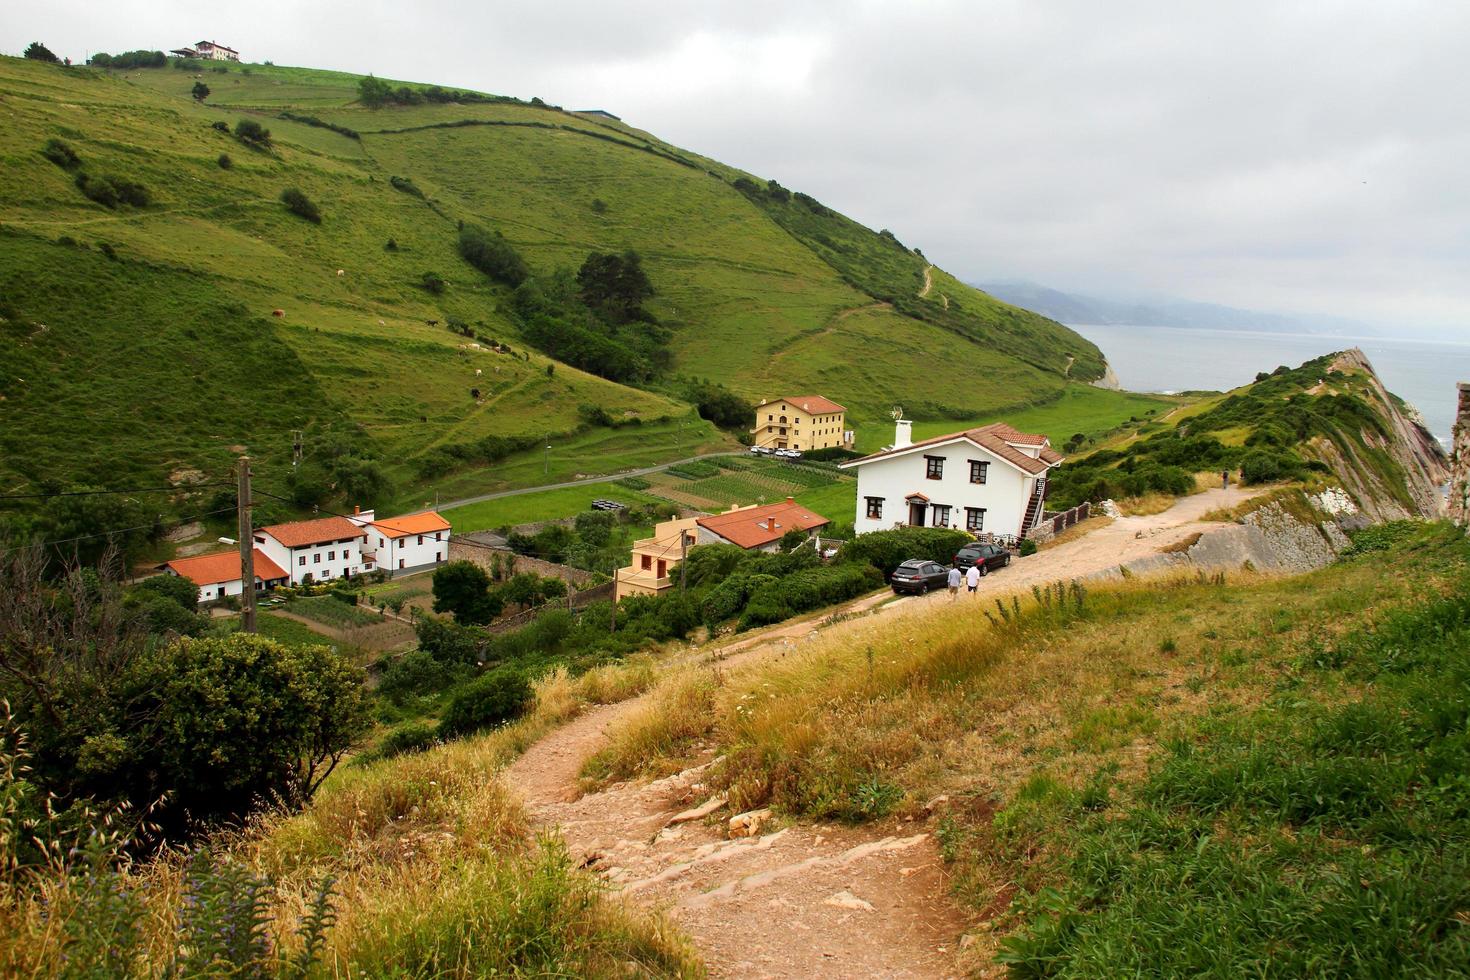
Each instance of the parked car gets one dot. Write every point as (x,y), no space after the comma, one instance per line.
(917,576)
(987,556)
(761,450)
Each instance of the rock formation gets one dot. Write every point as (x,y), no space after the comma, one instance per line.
(1459,498)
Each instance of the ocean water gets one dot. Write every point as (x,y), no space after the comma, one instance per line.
(1422,372)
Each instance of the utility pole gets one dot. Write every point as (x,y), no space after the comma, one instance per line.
(614,627)
(247,549)
(683,554)
(547,470)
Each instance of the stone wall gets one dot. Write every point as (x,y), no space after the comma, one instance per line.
(1459,501)
(458,551)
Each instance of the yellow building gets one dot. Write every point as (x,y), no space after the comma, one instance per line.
(801,422)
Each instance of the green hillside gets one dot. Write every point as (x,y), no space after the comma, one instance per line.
(140,340)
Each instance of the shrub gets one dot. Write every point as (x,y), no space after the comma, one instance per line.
(416,736)
(414,674)
(463,588)
(98,189)
(299,204)
(252,133)
(1028,547)
(60,153)
(496,697)
(432,282)
(220,125)
(808,589)
(886,550)
(492,255)
(405,185)
(200,91)
(36,51)
(224,161)
(1264,466)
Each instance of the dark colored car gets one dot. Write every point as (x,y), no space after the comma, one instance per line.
(987,556)
(918,576)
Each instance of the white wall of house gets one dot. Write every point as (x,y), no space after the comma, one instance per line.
(219,590)
(1003,496)
(408,551)
(330,560)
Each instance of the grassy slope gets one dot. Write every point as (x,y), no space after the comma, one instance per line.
(752,303)
(1168,778)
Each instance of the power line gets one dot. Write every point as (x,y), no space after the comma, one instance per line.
(95,493)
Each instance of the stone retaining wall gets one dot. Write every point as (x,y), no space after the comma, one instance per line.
(1459,501)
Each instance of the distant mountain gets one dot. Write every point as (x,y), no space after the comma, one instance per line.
(1077,308)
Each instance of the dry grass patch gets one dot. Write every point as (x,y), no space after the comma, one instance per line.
(1096,522)
(1146,505)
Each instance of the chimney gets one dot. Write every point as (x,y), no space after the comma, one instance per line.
(356,509)
(791,500)
(903,433)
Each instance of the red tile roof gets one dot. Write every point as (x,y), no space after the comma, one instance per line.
(323,530)
(223,566)
(426,522)
(996,437)
(752,527)
(812,404)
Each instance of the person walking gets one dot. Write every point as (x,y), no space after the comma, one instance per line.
(1224,479)
(972,578)
(954,583)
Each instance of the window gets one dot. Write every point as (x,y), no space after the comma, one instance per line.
(380,542)
(875,508)
(346,555)
(662,568)
(647,562)
(421,539)
(438,535)
(438,556)
(941,515)
(316,559)
(979,471)
(400,563)
(331,556)
(934,467)
(770,418)
(301,560)
(974,518)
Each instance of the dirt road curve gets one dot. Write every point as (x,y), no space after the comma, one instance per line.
(795,900)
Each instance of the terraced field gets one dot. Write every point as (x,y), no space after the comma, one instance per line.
(748,481)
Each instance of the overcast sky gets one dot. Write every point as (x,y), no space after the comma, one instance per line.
(1282,155)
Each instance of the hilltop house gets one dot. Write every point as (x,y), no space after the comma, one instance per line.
(987,480)
(218,575)
(208,50)
(754,528)
(801,422)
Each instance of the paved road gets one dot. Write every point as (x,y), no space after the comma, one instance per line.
(577,483)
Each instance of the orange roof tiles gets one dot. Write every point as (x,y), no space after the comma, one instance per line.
(814,404)
(752,527)
(298,534)
(426,522)
(223,566)
(996,437)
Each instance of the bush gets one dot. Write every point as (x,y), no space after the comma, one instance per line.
(221,125)
(886,550)
(415,674)
(432,282)
(36,51)
(61,154)
(299,204)
(492,255)
(405,185)
(224,161)
(252,133)
(463,588)
(416,736)
(98,189)
(1265,466)
(1028,547)
(492,699)
(811,588)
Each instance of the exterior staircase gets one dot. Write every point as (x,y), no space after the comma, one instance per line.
(1034,508)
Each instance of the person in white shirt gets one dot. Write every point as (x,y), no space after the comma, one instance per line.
(954,583)
(972,578)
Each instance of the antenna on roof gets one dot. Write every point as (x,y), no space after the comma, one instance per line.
(897,413)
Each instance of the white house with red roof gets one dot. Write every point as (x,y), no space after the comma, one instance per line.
(400,544)
(986,480)
(218,575)
(325,548)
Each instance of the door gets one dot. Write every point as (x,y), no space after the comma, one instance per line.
(917,509)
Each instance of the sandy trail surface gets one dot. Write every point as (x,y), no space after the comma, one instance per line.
(795,900)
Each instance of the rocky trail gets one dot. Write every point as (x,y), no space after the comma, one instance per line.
(762,897)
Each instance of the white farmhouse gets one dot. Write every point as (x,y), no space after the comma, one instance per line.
(404,543)
(326,548)
(218,575)
(988,480)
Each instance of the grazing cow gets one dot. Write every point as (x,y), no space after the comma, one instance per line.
(278,312)
(341,272)
(477,372)
(432,323)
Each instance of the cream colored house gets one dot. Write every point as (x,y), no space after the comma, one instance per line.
(801,422)
(653,557)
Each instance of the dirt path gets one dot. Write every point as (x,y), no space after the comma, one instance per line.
(928,282)
(797,900)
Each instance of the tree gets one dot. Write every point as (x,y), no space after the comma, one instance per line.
(200,91)
(36,51)
(463,588)
(492,255)
(615,285)
(252,133)
(720,405)
(300,205)
(229,723)
(373,92)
